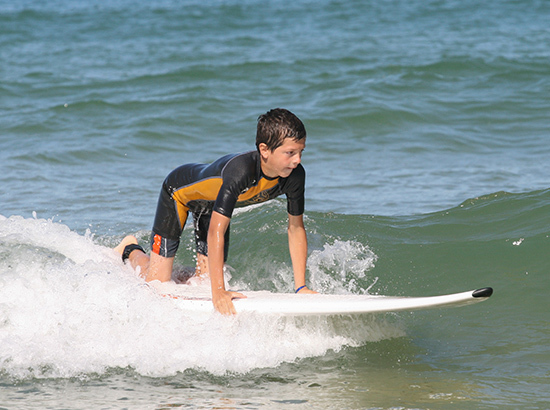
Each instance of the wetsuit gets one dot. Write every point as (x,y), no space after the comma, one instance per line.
(232,181)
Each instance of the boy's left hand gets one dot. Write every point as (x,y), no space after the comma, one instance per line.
(306,291)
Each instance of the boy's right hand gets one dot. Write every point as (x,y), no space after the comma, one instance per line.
(223,301)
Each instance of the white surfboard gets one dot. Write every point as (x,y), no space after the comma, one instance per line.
(198,299)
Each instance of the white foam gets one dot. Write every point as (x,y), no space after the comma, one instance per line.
(69,307)
(338,266)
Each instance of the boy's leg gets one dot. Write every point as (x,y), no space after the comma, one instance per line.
(155,267)
(160,268)
(136,257)
(128,240)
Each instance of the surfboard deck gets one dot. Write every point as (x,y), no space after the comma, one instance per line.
(198,299)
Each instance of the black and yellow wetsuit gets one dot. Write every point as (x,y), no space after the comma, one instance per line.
(232,181)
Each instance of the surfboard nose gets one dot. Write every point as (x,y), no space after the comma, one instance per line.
(482,293)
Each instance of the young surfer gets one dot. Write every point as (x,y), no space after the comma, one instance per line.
(212,191)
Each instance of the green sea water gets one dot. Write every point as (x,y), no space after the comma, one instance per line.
(427,173)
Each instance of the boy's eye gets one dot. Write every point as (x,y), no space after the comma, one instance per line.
(292,153)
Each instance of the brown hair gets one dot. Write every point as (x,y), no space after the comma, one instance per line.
(276,125)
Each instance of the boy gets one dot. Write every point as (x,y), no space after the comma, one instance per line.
(212,191)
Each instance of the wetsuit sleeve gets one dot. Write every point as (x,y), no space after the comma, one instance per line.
(295,191)
(237,176)
(226,200)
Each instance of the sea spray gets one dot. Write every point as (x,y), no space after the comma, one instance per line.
(69,307)
(338,266)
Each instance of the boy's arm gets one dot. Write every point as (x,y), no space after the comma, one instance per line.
(221,298)
(297,243)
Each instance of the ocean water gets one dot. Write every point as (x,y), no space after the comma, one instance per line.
(427,173)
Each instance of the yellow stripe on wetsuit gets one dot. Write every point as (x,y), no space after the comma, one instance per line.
(208,189)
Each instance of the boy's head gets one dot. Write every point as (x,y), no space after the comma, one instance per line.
(276,125)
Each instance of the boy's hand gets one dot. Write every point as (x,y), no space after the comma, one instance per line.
(222,301)
(305,291)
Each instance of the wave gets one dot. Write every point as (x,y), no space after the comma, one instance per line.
(69,307)
(484,241)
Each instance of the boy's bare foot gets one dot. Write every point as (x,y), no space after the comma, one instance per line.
(125,242)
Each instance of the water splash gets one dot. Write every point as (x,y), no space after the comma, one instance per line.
(339,266)
(69,307)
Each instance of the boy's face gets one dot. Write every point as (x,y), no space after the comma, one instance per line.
(281,161)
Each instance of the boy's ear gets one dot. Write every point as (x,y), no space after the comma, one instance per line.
(264,150)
